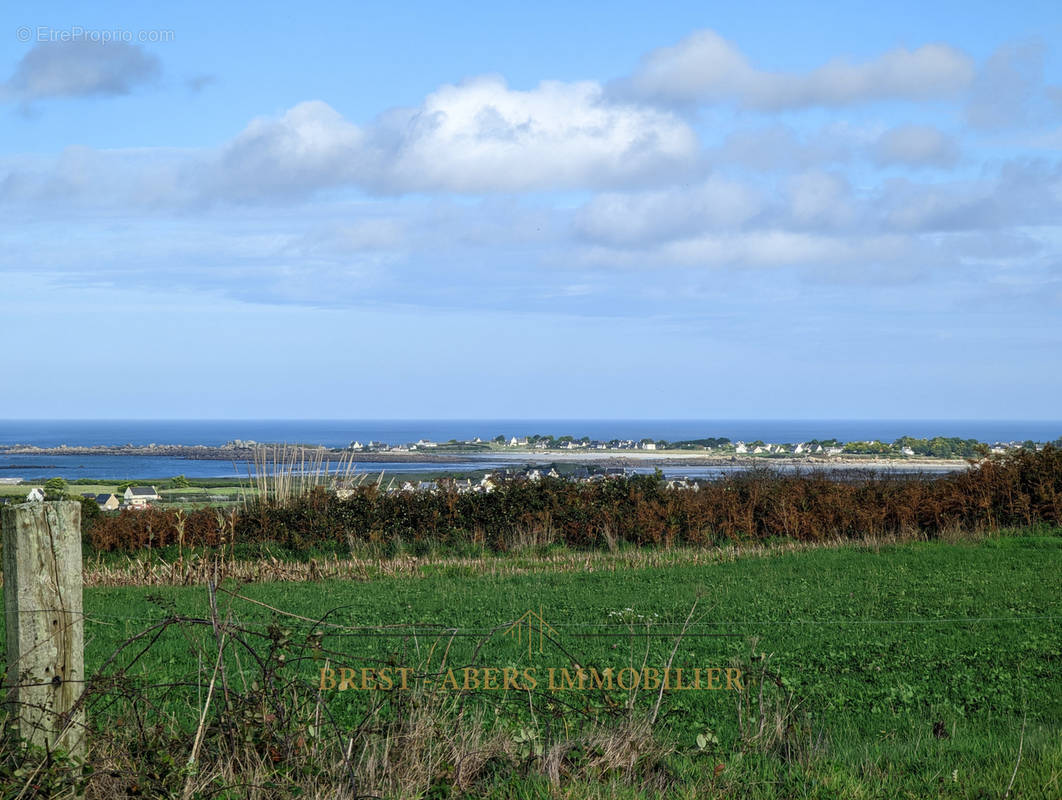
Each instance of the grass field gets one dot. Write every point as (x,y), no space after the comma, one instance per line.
(915,670)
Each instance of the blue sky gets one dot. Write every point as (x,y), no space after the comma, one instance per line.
(687,210)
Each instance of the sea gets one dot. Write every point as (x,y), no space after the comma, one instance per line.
(340,433)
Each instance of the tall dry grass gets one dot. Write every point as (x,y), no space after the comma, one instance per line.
(283,474)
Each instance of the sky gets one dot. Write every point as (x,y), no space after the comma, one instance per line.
(419,210)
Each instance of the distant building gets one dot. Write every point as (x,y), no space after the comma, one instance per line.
(36,495)
(140,495)
(107,502)
(538,473)
(683,483)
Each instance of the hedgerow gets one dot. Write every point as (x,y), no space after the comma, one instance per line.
(1016,489)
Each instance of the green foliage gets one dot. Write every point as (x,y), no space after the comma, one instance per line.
(697,444)
(90,514)
(941,447)
(1017,489)
(180,482)
(867,448)
(55,489)
(30,772)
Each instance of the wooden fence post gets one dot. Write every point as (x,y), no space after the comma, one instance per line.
(44,623)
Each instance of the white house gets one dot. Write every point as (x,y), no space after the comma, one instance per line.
(537,473)
(740,448)
(521,442)
(648,445)
(140,495)
(36,495)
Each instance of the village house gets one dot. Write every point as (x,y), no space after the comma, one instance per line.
(36,495)
(683,483)
(140,496)
(107,502)
(515,442)
(538,473)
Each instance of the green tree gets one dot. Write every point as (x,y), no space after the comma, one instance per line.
(90,513)
(55,489)
(181,482)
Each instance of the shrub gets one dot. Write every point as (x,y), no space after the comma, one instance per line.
(1017,489)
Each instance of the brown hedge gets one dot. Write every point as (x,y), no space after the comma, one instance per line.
(1017,489)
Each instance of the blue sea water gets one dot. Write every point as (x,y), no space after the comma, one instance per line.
(339,433)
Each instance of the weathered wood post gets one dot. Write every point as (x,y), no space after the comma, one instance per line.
(44,623)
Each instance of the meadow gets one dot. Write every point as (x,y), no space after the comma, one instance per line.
(906,669)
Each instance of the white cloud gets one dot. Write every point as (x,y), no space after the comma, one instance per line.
(1007,87)
(310,147)
(79,68)
(780,147)
(916,146)
(770,247)
(819,199)
(716,203)
(479,136)
(1023,193)
(705,67)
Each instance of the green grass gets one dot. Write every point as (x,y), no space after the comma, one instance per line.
(878,646)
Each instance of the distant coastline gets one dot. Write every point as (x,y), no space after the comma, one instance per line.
(614,458)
